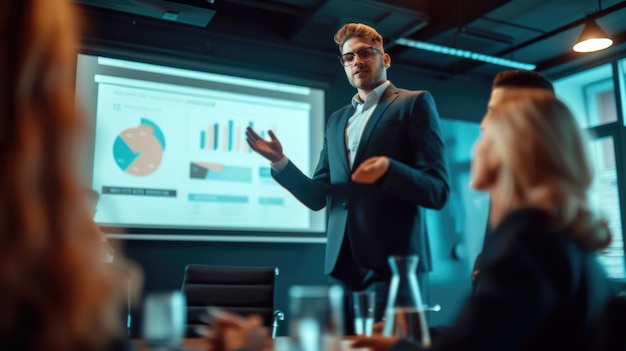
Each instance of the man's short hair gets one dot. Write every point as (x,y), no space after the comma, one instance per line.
(522,79)
(358,30)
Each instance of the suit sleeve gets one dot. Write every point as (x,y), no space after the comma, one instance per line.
(424,183)
(312,192)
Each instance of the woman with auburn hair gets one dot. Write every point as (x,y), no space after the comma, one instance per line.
(541,287)
(56,292)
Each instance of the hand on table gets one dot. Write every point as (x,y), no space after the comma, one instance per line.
(231,332)
(378,328)
(375,342)
(371,170)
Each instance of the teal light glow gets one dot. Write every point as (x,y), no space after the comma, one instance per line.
(440,49)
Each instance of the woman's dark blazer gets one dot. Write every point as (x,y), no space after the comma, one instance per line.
(539,290)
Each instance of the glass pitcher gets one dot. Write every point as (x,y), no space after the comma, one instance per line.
(404,315)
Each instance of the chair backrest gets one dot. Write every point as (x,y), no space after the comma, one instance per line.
(243,290)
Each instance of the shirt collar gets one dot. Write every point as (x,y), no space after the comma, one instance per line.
(373,96)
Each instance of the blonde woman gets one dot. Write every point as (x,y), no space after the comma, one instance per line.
(541,285)
(55,289)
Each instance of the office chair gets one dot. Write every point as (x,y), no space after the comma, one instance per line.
(242,290)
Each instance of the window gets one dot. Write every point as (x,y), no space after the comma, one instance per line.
(590,95)
(604,195)
(621,67)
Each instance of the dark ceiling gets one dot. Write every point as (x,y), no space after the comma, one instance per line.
(533,31)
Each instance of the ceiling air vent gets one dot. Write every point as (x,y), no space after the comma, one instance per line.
(192,12)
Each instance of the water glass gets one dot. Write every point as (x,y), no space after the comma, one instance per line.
(316,315)
(164,320)
(364,303)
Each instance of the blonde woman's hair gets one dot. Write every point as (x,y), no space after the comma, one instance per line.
(54,285)
(358,30)
(546,162)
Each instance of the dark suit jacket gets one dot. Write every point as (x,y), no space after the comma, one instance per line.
(539,290)
(385,218)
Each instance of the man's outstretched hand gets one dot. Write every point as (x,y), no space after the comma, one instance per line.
(271,150)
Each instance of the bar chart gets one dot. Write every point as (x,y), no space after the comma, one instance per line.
(227,137)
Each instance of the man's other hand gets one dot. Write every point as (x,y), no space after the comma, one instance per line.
(371,170)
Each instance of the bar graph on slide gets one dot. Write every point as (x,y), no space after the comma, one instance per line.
(227,137)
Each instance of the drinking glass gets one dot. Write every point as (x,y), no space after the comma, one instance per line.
(315,318)
(364,303)
(164,319)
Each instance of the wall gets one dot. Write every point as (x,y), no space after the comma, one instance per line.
(456,232)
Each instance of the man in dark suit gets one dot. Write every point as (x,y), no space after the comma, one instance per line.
(382,163)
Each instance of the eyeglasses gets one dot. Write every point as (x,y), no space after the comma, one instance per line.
(365,54)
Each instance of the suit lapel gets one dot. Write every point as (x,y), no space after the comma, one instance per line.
(389,95)
(340,137)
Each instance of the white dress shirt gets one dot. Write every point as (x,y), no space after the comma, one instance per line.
(356,124)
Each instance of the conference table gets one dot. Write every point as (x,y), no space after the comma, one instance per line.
(280,343)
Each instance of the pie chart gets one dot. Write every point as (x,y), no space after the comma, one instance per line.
(138,150)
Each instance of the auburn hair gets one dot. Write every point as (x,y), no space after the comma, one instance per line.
(55,286)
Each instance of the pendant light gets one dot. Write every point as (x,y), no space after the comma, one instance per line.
(592,38)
